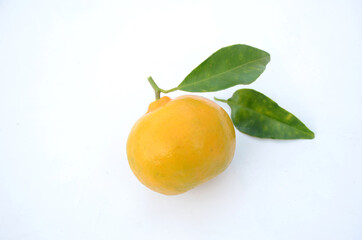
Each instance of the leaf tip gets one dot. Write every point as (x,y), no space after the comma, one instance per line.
(311,135)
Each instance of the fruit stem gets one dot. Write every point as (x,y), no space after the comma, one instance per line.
(220,100)
(155,87)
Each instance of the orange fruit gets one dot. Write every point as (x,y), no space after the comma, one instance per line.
(181,143)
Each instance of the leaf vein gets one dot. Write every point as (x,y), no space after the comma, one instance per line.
(205,79)
(273,118)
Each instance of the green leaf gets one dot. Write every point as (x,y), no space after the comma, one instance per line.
(257,115)
(227,67)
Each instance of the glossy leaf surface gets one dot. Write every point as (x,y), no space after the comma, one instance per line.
(257,115)
(227,67)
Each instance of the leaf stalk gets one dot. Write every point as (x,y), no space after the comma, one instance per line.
(220,100)
(170,90)
(159,90)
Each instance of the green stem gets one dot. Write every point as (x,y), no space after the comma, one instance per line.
(221,100)
(159,90)
(155,87)
(167,91)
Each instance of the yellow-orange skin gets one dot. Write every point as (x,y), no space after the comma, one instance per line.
(181,143)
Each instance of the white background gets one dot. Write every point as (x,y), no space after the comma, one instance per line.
(73,80)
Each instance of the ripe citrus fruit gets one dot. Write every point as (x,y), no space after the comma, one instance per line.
(181,143)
